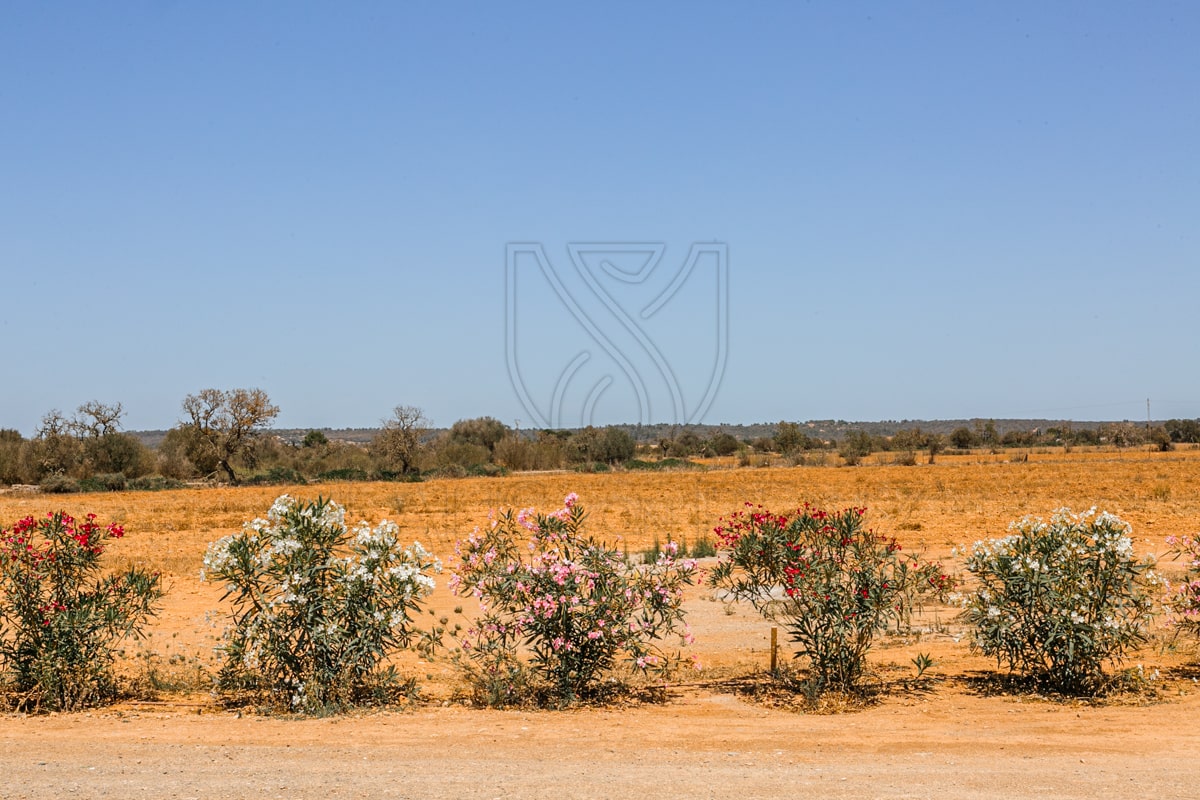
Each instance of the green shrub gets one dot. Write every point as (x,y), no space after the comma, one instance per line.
(462,453)
(486,471)
(59,484)
(1056,601)
(663,464)
(113,452)
(317,607)
(448,471)
(703,547)
(855,447)
(104,482)
(11,442)
(315,438)
(276,476)
(154,483)
(652,553)
(402,477)
(346,474)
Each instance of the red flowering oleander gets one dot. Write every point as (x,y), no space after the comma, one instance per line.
(61,615)
(831,582)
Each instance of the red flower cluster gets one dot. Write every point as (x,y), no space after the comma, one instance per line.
(732,527)
(20,543)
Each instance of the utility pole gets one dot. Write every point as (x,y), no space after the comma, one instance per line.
(1148,424)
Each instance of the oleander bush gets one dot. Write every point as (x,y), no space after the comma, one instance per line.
(832,583)
(62,617)
(561,612)
(1183,597)
(317,607)
(1056,601)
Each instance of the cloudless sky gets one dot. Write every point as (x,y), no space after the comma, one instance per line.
(932,210)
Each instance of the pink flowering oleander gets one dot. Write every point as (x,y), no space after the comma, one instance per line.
(1182,599)
(564,608)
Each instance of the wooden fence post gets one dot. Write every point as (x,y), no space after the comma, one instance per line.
(774,649)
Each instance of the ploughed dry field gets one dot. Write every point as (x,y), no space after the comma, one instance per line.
(943,737)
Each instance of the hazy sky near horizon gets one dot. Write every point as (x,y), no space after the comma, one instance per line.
(920,210)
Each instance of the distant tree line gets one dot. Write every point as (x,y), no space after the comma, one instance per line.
(223,435)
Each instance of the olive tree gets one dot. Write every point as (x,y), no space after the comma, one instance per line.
(962,438)
(105,448)
(481,431)
(224,424)
(399,444)
(11,442)
(54,449)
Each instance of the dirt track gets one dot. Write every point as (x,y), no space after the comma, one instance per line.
(700,745)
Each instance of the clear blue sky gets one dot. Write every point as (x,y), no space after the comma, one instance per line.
(932,210)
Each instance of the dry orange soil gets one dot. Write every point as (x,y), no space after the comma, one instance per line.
(941,739)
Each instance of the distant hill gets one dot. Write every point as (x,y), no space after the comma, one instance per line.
(153,439)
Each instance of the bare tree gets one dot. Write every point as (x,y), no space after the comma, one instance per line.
(53,424)
(54,450)
(97,426)
(399,443)
(224,423)
(94,419)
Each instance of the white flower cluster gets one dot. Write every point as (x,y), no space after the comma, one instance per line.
(1096,533)
(217,558)
(378,560)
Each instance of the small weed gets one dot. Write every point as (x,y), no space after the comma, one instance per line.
(178,673)
(651,554)
(703,548)
(922,662)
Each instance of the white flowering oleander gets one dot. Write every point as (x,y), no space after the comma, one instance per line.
(1061,597)
(352,593)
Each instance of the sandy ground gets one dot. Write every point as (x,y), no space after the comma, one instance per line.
(942,739)
(701,744)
